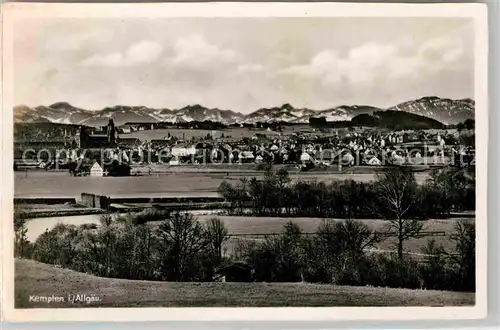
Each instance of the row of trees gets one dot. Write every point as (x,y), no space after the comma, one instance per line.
(395,193)
(394,196)
(180,248)
(337,254)
(177,248)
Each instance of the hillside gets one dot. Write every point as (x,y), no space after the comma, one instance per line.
(34,278)
(43,131)
(444,110)
(397,120)
(65,113)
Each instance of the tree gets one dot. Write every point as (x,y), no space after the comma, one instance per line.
(20,239)
(107,238)
(236,195)
(464,259)
(451,185)
(469,124)
(181,242)
(397,197)
(216,234)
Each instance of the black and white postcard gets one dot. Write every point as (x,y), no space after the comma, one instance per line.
(164,161)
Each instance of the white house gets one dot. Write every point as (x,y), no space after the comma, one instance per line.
(178,151)
(305,157)
(246,156)
(96,170)
(125,156)
(374,162)
(348,159)
(126,129)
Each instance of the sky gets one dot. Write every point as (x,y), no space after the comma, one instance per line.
(241,64)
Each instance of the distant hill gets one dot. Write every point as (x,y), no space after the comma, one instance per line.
(287,113)
(444,110)
(44,131)
(389,119)
(396,120)
(65,113)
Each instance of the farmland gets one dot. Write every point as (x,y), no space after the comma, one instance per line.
(188,134)
(33,278)
(244,228)
(173,183)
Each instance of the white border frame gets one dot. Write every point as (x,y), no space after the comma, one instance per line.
(16,11)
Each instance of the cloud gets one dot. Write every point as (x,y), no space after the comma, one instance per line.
(247,68)
(139,53)
(373,63)
(195,52)
(143,52)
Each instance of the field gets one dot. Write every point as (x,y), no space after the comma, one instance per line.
(33,278)
(235,132)
(244,228)
(175,183)
(188,134)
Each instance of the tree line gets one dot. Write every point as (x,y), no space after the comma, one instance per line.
(395,193)
(337,254)
(395,196)
(156,245)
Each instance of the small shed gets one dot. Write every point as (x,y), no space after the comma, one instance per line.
(236,272)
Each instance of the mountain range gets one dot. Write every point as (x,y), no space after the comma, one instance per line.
(444,110)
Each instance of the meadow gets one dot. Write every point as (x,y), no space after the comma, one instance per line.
(256,228)
(177,182)
(188,134)
(34,278)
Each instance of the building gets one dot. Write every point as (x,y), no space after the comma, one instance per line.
(183,151)
(84,140)
(305,157)
(246,157)
(126,129)
(96,170)
(374,162)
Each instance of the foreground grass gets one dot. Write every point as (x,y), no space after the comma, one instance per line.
(34,278)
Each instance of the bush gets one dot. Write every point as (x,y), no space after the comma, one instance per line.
(276,259)
(180,248)
(463,260)
(434,272)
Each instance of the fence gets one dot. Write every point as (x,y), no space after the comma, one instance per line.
(420,257)
(385,234)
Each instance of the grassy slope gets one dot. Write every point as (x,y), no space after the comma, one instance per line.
(33,278)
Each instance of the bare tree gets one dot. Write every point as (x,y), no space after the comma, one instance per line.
(181,241)
(217,235)
(20,230)
(397,196)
